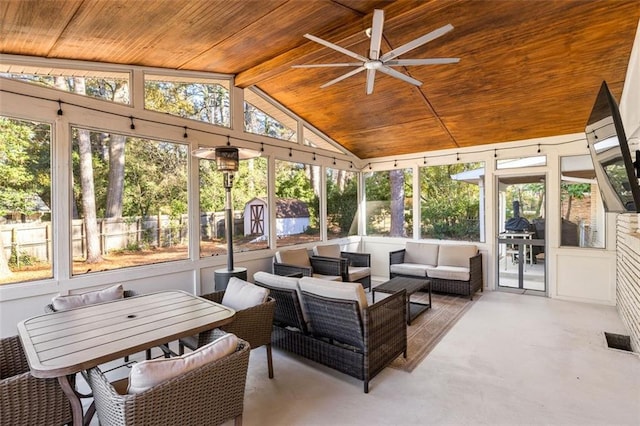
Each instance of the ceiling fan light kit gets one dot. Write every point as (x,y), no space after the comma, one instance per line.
(383,63)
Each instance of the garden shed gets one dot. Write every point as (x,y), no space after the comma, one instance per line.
(292,216)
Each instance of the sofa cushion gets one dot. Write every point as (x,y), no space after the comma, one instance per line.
(421,253)
(285,283)
(449,273)
(335,290)
(409,269)
(241,294)
(147,374)
(329,250)
(298,257)
(456,254)
(61,303)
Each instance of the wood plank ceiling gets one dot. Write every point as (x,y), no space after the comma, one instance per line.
(528,69)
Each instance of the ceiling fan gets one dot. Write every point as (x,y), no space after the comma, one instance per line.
(376,61)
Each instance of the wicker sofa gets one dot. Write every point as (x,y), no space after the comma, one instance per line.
(452,268)
(332,324)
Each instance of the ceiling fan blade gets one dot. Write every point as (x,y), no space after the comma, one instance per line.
(371,77)
(430,61)
(342,77)
(397,74)
(336,47)
(376,34)
(352,64)
(416,43)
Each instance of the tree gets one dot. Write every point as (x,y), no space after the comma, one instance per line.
(94,254)
(396,180)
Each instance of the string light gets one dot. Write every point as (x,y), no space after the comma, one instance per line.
(538,148)
(185,135)
(290,152)
(424,160)
(228,140)
(395,163)
(133,126)
(351,165)
(369,166)
(314,156)
(473,151)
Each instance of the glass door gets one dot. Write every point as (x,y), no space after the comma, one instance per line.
(521,234)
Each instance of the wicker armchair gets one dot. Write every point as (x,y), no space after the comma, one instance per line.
(251,324)
(208,395)
(297,261)
(358,268)
(24,399)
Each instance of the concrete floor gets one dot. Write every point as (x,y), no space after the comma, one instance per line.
(512,359)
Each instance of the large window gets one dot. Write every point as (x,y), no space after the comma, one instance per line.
(297,203)
(389,203)
(25,201)
(581,208)
(450,201)
(197,99)
(106,85)
(129,201)
(250,208)
(342,203)
(263,118)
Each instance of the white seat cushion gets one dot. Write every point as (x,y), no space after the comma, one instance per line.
(449,273)
(147,374)
(421,253)
(335,290)
(456,255)
(329,250)
(327,277)
(409,269)
(241,294)
(298,257)
(61,303)
(357,272)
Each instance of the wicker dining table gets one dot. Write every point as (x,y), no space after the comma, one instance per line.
(61,344)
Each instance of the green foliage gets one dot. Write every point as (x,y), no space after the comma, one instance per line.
(379,193)
(449,208)
(23,259)
(342,204)
(24,165)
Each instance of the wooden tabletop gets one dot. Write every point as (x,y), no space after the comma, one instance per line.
(66,342)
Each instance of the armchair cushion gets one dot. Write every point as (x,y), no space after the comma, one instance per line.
(456,255)
(329,250)
(421,253)
(299,257)
(61,303)
(241,294)
(147,374)
(335,290)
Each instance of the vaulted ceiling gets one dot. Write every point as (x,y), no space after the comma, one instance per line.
(528,69)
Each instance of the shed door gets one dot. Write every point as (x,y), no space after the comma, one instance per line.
(257,219)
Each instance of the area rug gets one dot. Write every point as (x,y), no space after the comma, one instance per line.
(430,327)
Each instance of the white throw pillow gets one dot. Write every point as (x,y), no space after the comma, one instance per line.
(147,374)
(241,295)
(61,303)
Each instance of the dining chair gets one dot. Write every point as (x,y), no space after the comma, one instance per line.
(252,324)
(24,399)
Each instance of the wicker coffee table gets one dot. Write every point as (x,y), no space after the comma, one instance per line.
(411,285)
